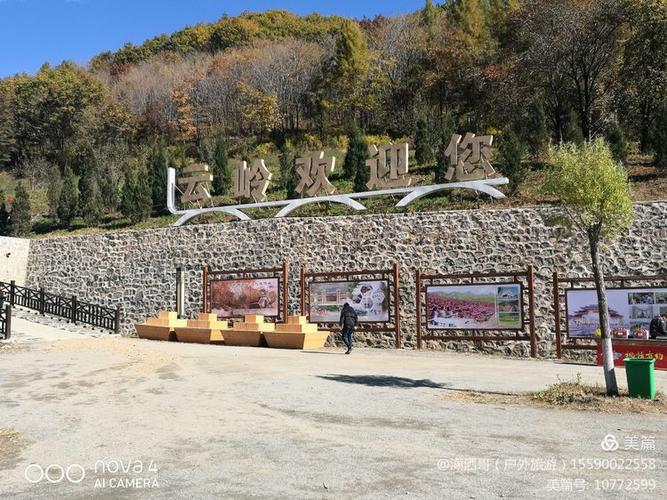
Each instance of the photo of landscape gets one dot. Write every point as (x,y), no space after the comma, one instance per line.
(474,307)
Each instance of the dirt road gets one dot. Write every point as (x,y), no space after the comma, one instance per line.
(124,418)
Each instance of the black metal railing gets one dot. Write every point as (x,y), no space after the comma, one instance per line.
(71,308)
(5,318)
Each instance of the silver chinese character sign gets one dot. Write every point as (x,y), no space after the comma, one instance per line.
(469,158)
(388,166)
(251,181)
(195,189)
(313,169)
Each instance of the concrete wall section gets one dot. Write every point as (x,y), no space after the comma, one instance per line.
(14,259)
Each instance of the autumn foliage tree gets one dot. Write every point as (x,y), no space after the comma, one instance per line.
(348,72)
(552,71)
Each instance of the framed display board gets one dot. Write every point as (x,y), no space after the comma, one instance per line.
(369,298)
(372,294)
(234,298)
(481,307)
(630,311)
(632,301)
(488,306)
(233,294)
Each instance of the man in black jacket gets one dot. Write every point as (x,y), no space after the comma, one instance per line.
(657,326)
(348,320)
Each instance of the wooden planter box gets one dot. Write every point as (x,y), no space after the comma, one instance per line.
(217,337)
(160,328)
(206,329)
(155,332)
(194,335)
(285,340)
(245,338)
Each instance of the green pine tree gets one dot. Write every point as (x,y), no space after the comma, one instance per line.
(128,200)
(143,196)
(345,83)
(617,143)
(351,55)
(4,215)
(362,175)
(659,138)
(288,177)
(355,158)
(136,198)
(157,167)
(20,215)
(535,130)
(428,14)
(91,200)
(572,130)
(423,150)
(510,159)
(53,190)
(68,203)
(442,161)
(222,174)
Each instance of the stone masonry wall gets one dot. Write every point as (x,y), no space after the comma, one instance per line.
(137,268)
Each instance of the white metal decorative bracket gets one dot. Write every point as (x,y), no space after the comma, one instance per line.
(349,199)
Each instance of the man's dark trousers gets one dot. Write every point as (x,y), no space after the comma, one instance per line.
(347,336)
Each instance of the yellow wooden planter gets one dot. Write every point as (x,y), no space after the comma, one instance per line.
(248,333)
(204,330)
(154,332)
(284,340)
(160,328)
(297,333)
(245,339)
(194,335)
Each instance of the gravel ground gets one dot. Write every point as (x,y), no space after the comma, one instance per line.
(197,421)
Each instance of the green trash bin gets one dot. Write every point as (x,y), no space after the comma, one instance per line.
(641,377)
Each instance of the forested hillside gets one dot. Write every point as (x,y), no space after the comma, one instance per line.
(90,144)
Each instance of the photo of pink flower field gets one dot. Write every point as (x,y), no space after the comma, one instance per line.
(474,307)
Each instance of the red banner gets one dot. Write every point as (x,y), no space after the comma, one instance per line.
(646,350)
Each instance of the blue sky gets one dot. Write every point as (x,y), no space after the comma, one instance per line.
(36,31)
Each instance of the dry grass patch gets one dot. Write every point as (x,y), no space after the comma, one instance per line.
(570,395)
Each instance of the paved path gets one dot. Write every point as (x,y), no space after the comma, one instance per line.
(220,421)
